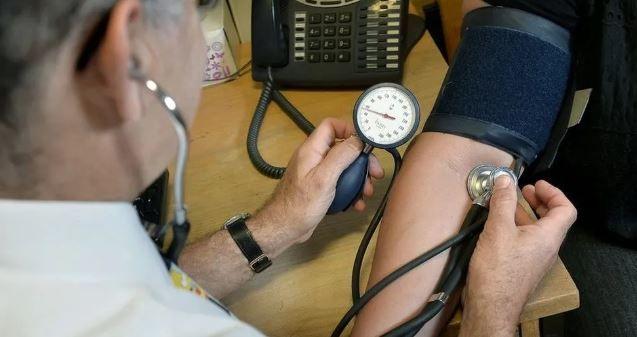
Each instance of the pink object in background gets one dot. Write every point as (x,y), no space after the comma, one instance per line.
(222,41)
(216,68)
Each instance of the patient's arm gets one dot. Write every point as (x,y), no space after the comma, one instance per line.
(426,206)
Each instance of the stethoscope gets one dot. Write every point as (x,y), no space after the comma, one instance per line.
(386,116)
(179,224)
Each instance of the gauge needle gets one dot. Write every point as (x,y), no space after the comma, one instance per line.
(381,114)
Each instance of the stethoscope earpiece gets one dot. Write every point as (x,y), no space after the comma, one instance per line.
(179,224)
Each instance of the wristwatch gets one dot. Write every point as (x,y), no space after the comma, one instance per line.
(236,226)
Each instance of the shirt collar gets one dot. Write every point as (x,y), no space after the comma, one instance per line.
(86,241)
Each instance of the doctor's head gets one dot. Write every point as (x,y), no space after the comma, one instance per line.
(73,123)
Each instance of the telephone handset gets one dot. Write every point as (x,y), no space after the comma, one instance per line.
(328,43)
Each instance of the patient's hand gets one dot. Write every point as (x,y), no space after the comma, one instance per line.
(512,256)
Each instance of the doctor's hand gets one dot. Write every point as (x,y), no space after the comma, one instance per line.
(513,254)
(307,189)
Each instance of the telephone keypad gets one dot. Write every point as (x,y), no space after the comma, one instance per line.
(329,18)
(328,57)
(343,56)
(329,31)
(329,44)
(323,30)
(314,32)
(315,18)
(314,44)
(341,42)
(314,57)
(344,17)
(344,43)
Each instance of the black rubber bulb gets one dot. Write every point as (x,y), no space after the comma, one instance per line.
(350,184)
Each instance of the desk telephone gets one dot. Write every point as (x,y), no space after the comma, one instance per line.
(328,43)
(324,43)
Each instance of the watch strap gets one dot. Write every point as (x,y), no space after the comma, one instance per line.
(242,236)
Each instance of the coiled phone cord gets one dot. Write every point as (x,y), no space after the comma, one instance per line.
(268,94)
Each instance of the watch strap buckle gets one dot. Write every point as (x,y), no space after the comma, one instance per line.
(260,263)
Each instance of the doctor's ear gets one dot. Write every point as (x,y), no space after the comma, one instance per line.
(108,58)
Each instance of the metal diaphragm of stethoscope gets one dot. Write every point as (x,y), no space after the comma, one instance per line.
(386,116)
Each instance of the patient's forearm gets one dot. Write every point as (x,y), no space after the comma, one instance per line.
(426,206)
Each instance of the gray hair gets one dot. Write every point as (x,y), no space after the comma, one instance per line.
(31,31)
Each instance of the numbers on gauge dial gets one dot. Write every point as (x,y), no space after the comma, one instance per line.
(386,115)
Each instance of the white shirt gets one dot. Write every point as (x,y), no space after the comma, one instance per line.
(89,269)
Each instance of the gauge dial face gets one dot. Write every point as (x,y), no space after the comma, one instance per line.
(386,115)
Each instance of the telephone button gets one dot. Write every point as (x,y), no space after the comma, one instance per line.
(329,31)
(315,18)
(344,17)
(313,44)
(314,31)
(344,30)
(343,43)
(329,44)
(328,57)
(314,57)
(329,18)
(343,56)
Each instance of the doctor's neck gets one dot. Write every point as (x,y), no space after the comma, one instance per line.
(67,158)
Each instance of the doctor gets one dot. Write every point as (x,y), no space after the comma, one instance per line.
(81,138)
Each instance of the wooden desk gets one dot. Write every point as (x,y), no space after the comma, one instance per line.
(307,289)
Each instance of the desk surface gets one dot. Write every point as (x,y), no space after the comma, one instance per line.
(307,289)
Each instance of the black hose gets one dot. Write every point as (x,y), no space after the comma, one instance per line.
(465,233)
(369,233)
(449,284)
(268,94)
(412,327)
(180,235)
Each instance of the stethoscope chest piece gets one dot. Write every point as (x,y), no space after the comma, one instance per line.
(481,180)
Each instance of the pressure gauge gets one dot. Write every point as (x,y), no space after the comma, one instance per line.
(386,115)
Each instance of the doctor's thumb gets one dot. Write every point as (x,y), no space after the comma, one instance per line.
(341,155)
(503,203)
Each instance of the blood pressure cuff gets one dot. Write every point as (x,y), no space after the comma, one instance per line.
(507,82)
